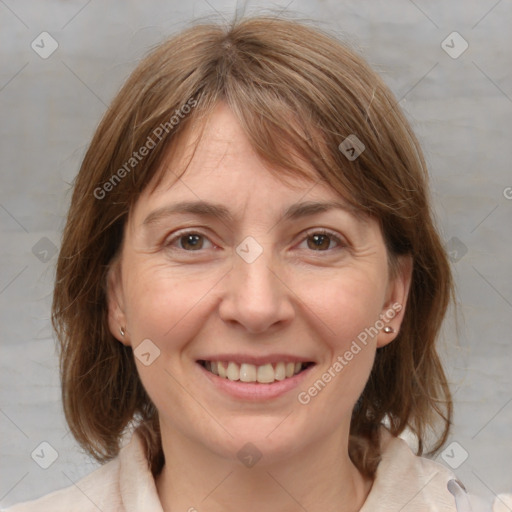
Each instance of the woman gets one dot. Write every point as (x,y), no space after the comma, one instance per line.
(250,287)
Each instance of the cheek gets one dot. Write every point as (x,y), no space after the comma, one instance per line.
(346,303)
(161,300)
(346,308)
(164,306)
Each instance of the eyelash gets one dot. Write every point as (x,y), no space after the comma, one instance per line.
(320,231)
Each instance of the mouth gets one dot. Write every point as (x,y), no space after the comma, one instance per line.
(267,373)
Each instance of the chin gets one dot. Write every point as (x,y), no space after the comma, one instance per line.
(267,438)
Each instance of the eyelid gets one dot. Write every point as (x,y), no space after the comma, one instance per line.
(340,240)
(168,241)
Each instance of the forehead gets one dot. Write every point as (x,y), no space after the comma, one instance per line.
(215,161)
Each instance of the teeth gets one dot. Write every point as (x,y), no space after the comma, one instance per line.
(221,369)
(233,371)
(280,371)
(248,373)
(265,374)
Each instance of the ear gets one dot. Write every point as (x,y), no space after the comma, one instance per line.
(115,303)
(393,311)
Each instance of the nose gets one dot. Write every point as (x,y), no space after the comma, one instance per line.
(256,295)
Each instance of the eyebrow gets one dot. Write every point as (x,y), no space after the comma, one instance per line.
(213,210)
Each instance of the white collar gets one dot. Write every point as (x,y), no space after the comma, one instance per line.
(403,482)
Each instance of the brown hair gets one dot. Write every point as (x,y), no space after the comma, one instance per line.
(293,87)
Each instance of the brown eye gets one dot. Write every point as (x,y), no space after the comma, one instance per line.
(191,242)
(321,241)
(188,241)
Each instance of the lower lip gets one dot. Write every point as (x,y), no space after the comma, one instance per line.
(255,391)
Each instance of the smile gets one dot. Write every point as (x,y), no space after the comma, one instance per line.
(245,372)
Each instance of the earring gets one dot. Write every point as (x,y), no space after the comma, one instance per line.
(121,330)
(388,329)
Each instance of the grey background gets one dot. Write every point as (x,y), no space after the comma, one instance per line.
(460,108)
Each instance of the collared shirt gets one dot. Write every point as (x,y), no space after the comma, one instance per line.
(404,482)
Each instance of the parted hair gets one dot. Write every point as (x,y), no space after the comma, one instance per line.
(298,92)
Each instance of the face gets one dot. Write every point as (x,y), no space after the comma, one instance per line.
(253,316)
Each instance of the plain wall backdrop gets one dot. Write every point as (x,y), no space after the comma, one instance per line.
(458,99)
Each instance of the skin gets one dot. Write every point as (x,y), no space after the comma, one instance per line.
(292,299)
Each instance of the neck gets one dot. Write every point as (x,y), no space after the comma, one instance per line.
(319,478)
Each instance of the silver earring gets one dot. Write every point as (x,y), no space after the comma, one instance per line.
(388,329)
(121,330)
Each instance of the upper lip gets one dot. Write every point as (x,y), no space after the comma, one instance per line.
(256,360)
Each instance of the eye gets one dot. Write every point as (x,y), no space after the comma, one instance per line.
(188,241)
(321,239)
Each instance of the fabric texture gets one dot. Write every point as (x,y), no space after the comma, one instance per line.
(404,482)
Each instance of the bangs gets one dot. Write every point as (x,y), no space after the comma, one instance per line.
(281,131)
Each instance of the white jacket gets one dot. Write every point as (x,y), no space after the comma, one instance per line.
(404,482)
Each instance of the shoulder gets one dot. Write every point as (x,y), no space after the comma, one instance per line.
(98,490)
(125,479)
(410,483)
